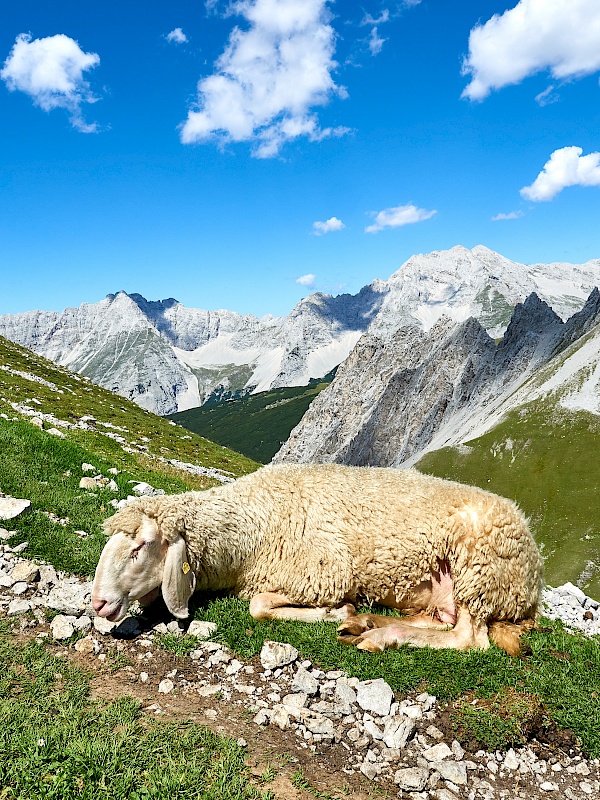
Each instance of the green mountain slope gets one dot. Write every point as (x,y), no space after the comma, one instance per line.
(545,458)
(256,425)
(83,423)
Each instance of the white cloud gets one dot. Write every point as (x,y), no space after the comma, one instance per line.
(547,97)
(332,224)
(510,215)
(375,42)
(383,17)
(307,280)
(566,167)
(398,216)
(177,36)
(562,36)
(269,78)
(51,71)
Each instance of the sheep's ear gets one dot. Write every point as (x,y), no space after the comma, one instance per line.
(179,581)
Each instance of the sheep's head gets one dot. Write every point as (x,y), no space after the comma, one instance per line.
(146,550)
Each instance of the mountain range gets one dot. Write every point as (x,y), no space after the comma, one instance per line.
(169,358)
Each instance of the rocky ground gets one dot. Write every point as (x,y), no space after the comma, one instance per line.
(340,731)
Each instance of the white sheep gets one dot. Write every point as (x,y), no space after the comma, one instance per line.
(308,542)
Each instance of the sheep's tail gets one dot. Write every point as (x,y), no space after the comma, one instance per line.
(507,635)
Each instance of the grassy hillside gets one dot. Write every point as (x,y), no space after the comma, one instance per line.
(63,527)
(46,468)
(545,458)
(122,431)
(256,425)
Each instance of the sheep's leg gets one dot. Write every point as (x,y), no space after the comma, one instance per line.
(429,605)
(352,629)
(466,633)
(270,605)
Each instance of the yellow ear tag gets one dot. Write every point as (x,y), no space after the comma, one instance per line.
(185,567)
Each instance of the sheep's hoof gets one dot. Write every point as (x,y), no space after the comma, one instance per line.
(348,639)
(356,625)
(369,645)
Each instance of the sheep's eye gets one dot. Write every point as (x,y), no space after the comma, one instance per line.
(134,553)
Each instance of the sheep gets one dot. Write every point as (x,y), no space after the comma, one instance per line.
(307,542)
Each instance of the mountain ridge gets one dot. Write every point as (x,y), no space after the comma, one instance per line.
(167,357)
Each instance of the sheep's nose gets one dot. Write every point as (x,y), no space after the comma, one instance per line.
(98,605)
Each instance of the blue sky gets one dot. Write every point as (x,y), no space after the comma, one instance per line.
(219,152)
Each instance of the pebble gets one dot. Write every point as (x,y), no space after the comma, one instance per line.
(201,629)
(305,682)
(166,686)
(11,507)
(277,654)
(103,625)
(375,695)
(62,627)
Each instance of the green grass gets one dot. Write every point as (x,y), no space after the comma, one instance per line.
(256,425)
(562,671)
(177,644)
(47,470)
(58,744)
(551,475)
(542,457)
(75,397)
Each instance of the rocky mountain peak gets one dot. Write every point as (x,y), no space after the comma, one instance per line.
(178,357)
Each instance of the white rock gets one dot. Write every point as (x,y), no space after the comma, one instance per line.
(451,771)
(71,598)
(397,732)
(201,629)
(88,467)
(20,587)
(548,786)
(144,677)
(88,645)
(319,725)
(166,686)
(56,432)
(344,695)
(26,571)
(370,771)
(304,682)
(88,483)
(510,760)
(277,654)
(208,691)
(412,779)
(11,507)
(570,589)
(103,625)
(375,696)
(280,717)
(373,730)
(438,752)
(295,701)
(18,606)
(141,489)
(62,627)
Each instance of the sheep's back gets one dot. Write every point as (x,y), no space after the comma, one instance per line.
(330,533)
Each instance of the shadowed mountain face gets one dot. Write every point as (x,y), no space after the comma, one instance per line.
(171,358)
(396,398)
